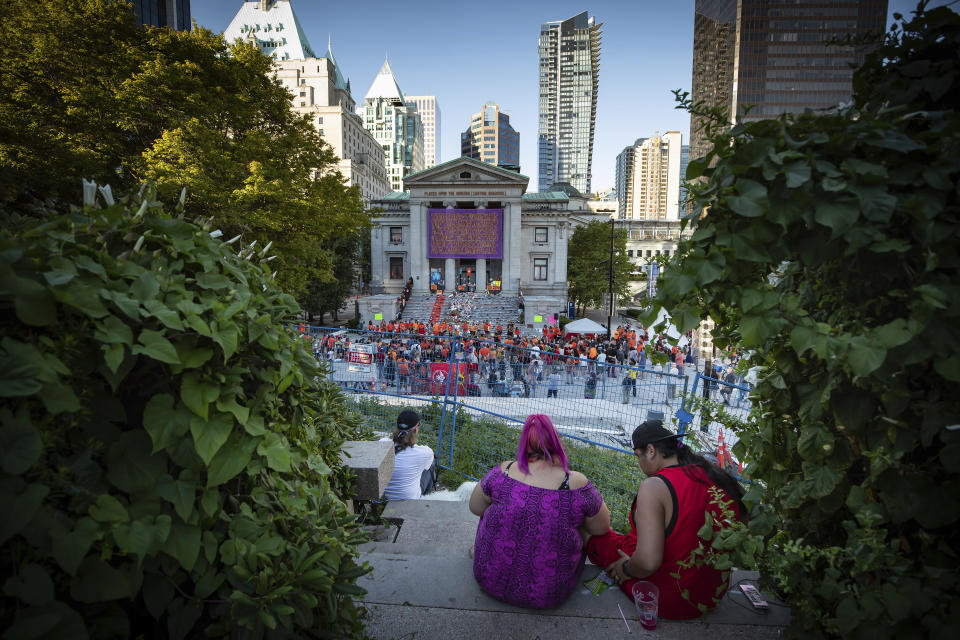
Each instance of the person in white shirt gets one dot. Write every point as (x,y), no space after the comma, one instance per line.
(415,470)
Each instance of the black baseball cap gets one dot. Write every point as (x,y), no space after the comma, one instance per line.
(652,431)
(408,419)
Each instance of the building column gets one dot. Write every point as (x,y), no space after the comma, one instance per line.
(517,267)
(450,275)
(419,263)
(481,274)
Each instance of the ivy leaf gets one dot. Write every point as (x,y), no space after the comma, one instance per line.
(226,336)
(757,328)
(167,316)
(892,334)
(61,275)
(145,288)
(155,345)
(814,442)
(109,509)
(209,435)
(20,443)
(181,493)
(198,324)
(197,393)
(113,330)
(798,174)
(165,424)
(183,545)
(97,581)
(821,479)
(31,300)
(19,508)
(839,216)
(745,207)
(113,356)
(83,296)
(50,620)
(59,398)
(864,357)
(32,586)
(157,593)
(144,535)
(241,413)
(229,461)
(69,548)
(277,452)
(192,356)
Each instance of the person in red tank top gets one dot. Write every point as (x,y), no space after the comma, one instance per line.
(665,519)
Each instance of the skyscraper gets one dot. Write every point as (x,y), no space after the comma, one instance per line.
(163,13)
(395,123)
(429,111)
(569,76)
(776,55)
(490,137)
(317,87)
(648,178)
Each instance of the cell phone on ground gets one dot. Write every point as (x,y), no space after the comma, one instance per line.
(753,595)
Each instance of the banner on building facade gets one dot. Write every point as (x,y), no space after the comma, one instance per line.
(465,233)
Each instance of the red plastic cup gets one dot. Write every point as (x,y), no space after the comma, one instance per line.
(646,597)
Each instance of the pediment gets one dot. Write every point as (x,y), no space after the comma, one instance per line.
(465,171)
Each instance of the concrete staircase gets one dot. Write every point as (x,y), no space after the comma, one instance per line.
(422,586)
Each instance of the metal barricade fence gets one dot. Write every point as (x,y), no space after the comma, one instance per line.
(475,394)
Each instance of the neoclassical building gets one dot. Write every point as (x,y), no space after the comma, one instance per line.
(468,225)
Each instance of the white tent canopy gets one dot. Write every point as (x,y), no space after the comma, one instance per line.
(584,325)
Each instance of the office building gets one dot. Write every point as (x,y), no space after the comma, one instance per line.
(776,55)
(429,111)
(490,138)
(318,90)
(648,178)
(569,52)
(163,13)
(395,123)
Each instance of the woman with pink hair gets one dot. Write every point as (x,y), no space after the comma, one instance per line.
(534,516)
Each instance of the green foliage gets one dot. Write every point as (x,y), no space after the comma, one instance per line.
(170,453)
(588,264)
(84,92)
(829,250)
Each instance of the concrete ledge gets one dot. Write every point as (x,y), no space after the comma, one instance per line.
(385,621)
(373,462)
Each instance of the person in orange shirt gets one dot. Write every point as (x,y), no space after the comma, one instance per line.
(486,327)
(499,329)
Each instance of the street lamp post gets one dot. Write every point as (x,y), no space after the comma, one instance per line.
(610,290)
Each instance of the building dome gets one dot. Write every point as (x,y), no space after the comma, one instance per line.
(566,188)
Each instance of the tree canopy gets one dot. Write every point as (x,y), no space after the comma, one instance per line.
(829,252)
(588,264)
(86,93)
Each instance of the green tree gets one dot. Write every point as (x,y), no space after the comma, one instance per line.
(323,297)
(90,94)
(588,264)
(829,250)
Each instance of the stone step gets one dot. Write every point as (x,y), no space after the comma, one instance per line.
(425,594)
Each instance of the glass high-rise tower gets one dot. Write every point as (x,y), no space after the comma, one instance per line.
(490,137)
(776,55)
(569,76)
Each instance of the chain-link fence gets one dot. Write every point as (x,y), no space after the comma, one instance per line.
(475,394)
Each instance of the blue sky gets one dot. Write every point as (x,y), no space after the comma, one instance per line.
(469,53)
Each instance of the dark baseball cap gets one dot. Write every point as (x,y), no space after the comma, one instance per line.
(652,431)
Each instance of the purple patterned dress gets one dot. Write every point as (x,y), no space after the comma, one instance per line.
(528,550)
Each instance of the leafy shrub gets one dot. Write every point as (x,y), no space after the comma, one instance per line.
(829,248)
(169,462)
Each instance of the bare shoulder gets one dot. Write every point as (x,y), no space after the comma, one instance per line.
(653,487)
(577,480)
(504,465)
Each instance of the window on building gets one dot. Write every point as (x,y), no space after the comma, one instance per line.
(396,268)
(539,268)
(396,234)
(540,234)
(629,253)
(320,119)
(648,253)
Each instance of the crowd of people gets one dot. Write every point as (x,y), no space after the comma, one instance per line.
(498,360)
(539,518)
